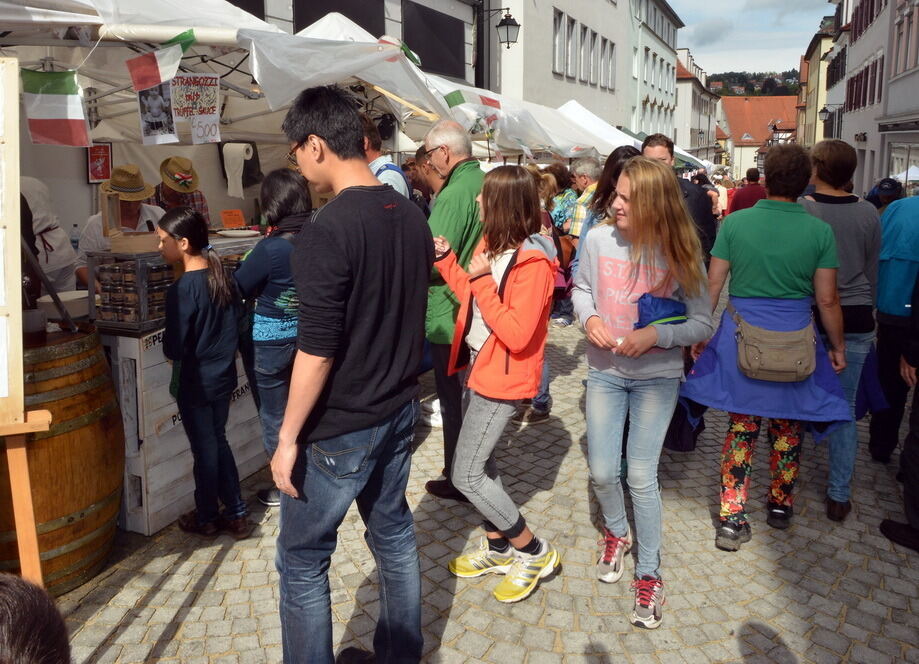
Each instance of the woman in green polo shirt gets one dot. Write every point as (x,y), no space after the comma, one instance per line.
(780,260)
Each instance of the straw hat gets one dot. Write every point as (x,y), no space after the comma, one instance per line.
(179,175)
(128,183)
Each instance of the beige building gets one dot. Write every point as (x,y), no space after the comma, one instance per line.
(813,80)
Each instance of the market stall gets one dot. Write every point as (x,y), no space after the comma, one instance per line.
(94,39)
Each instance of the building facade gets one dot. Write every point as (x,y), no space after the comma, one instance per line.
(866,90)
(812,92)
(567,49)
(441,32)
(752,123)
(654,27)
(899,123)
(695,119)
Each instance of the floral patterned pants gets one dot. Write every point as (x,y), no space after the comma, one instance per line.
(737,460)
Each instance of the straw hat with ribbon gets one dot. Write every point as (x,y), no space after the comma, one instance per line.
(179,175)
(128,183)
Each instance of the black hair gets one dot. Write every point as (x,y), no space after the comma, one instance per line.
(183,222)
(32,630)
(657,140)
(701,179)
(331,114)
(371,132)
(606,185)
(788,170)
(284,193)
(753,174)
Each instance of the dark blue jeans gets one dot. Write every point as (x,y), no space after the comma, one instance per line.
(272,376)
(215,471)
(372,467)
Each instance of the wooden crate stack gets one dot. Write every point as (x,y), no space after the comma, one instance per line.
(159,485)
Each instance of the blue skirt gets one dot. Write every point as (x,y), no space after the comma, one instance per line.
(716,382)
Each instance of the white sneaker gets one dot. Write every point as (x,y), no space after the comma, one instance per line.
(610,565)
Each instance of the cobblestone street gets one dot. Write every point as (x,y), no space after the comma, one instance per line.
(820,591)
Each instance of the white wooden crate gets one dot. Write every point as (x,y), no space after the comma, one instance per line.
(159,485)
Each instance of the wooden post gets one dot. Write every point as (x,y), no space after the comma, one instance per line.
(21,490)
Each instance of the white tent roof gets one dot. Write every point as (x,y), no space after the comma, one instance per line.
(583,117)
(519,125)
(335,26)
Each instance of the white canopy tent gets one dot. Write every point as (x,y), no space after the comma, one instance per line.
(586,119)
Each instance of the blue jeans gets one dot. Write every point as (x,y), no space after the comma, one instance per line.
(649,405)
(543,400)
(214,465)
(272,376)
(843,441)
(371,466)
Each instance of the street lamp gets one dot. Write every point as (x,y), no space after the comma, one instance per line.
(824,113)
(508,29)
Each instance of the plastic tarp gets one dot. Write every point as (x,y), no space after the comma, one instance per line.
(52,13)
(285,64)
(912,174)
(180,13)
(518,126)
(585,118)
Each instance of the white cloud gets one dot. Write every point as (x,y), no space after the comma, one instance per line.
(711,31)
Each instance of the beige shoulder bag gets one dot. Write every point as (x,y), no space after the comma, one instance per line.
(780,357)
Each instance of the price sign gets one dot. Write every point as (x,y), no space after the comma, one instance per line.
(205,129)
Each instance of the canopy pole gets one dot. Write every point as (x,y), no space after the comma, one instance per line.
(433,117)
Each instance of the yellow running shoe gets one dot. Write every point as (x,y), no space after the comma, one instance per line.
(526,572)
(482,561)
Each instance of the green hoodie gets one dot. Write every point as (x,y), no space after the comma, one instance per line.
(455,216)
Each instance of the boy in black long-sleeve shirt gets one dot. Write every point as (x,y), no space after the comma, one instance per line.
(361,270)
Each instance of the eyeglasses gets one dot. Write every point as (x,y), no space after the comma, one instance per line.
(436,147)
(292,156)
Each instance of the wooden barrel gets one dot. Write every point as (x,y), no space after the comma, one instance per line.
(76,468)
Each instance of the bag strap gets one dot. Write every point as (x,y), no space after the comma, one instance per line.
(734,314)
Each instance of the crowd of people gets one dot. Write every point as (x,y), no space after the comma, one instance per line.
(467,268)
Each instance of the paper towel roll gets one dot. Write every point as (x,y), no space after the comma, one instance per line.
(234,155)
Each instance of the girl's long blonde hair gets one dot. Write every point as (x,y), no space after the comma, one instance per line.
(659,221)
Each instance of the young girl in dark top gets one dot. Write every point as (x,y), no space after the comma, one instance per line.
(265,276)
(201,338)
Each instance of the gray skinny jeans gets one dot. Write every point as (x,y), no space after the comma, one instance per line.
(475,472)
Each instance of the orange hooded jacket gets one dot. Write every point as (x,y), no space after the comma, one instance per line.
(509,364)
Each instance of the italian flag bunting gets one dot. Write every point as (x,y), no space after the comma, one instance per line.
(152,69)
(458,97)
(53,104)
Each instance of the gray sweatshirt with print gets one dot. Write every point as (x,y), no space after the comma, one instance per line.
(608,284)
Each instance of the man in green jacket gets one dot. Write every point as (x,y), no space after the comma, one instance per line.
(456,217)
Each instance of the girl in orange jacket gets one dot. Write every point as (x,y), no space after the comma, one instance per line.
(500,334)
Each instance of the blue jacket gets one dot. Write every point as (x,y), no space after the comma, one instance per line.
(899,262)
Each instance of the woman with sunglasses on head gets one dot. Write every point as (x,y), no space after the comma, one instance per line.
(647,248)
(201,338)
(501,335)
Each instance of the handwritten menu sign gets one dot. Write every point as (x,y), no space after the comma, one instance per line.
(196,100)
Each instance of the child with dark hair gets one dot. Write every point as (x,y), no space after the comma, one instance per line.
(31,628)
(265,276)
(201,338)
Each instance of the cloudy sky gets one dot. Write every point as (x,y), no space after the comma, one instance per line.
(750,35)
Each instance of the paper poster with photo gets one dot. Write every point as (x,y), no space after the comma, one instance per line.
(157,125)
(196,100)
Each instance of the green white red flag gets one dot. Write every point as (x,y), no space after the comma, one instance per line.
(152,69)
(53,104)
(458,97)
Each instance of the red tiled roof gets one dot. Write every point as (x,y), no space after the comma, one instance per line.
(719,134)
(752,117)
(682,72)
